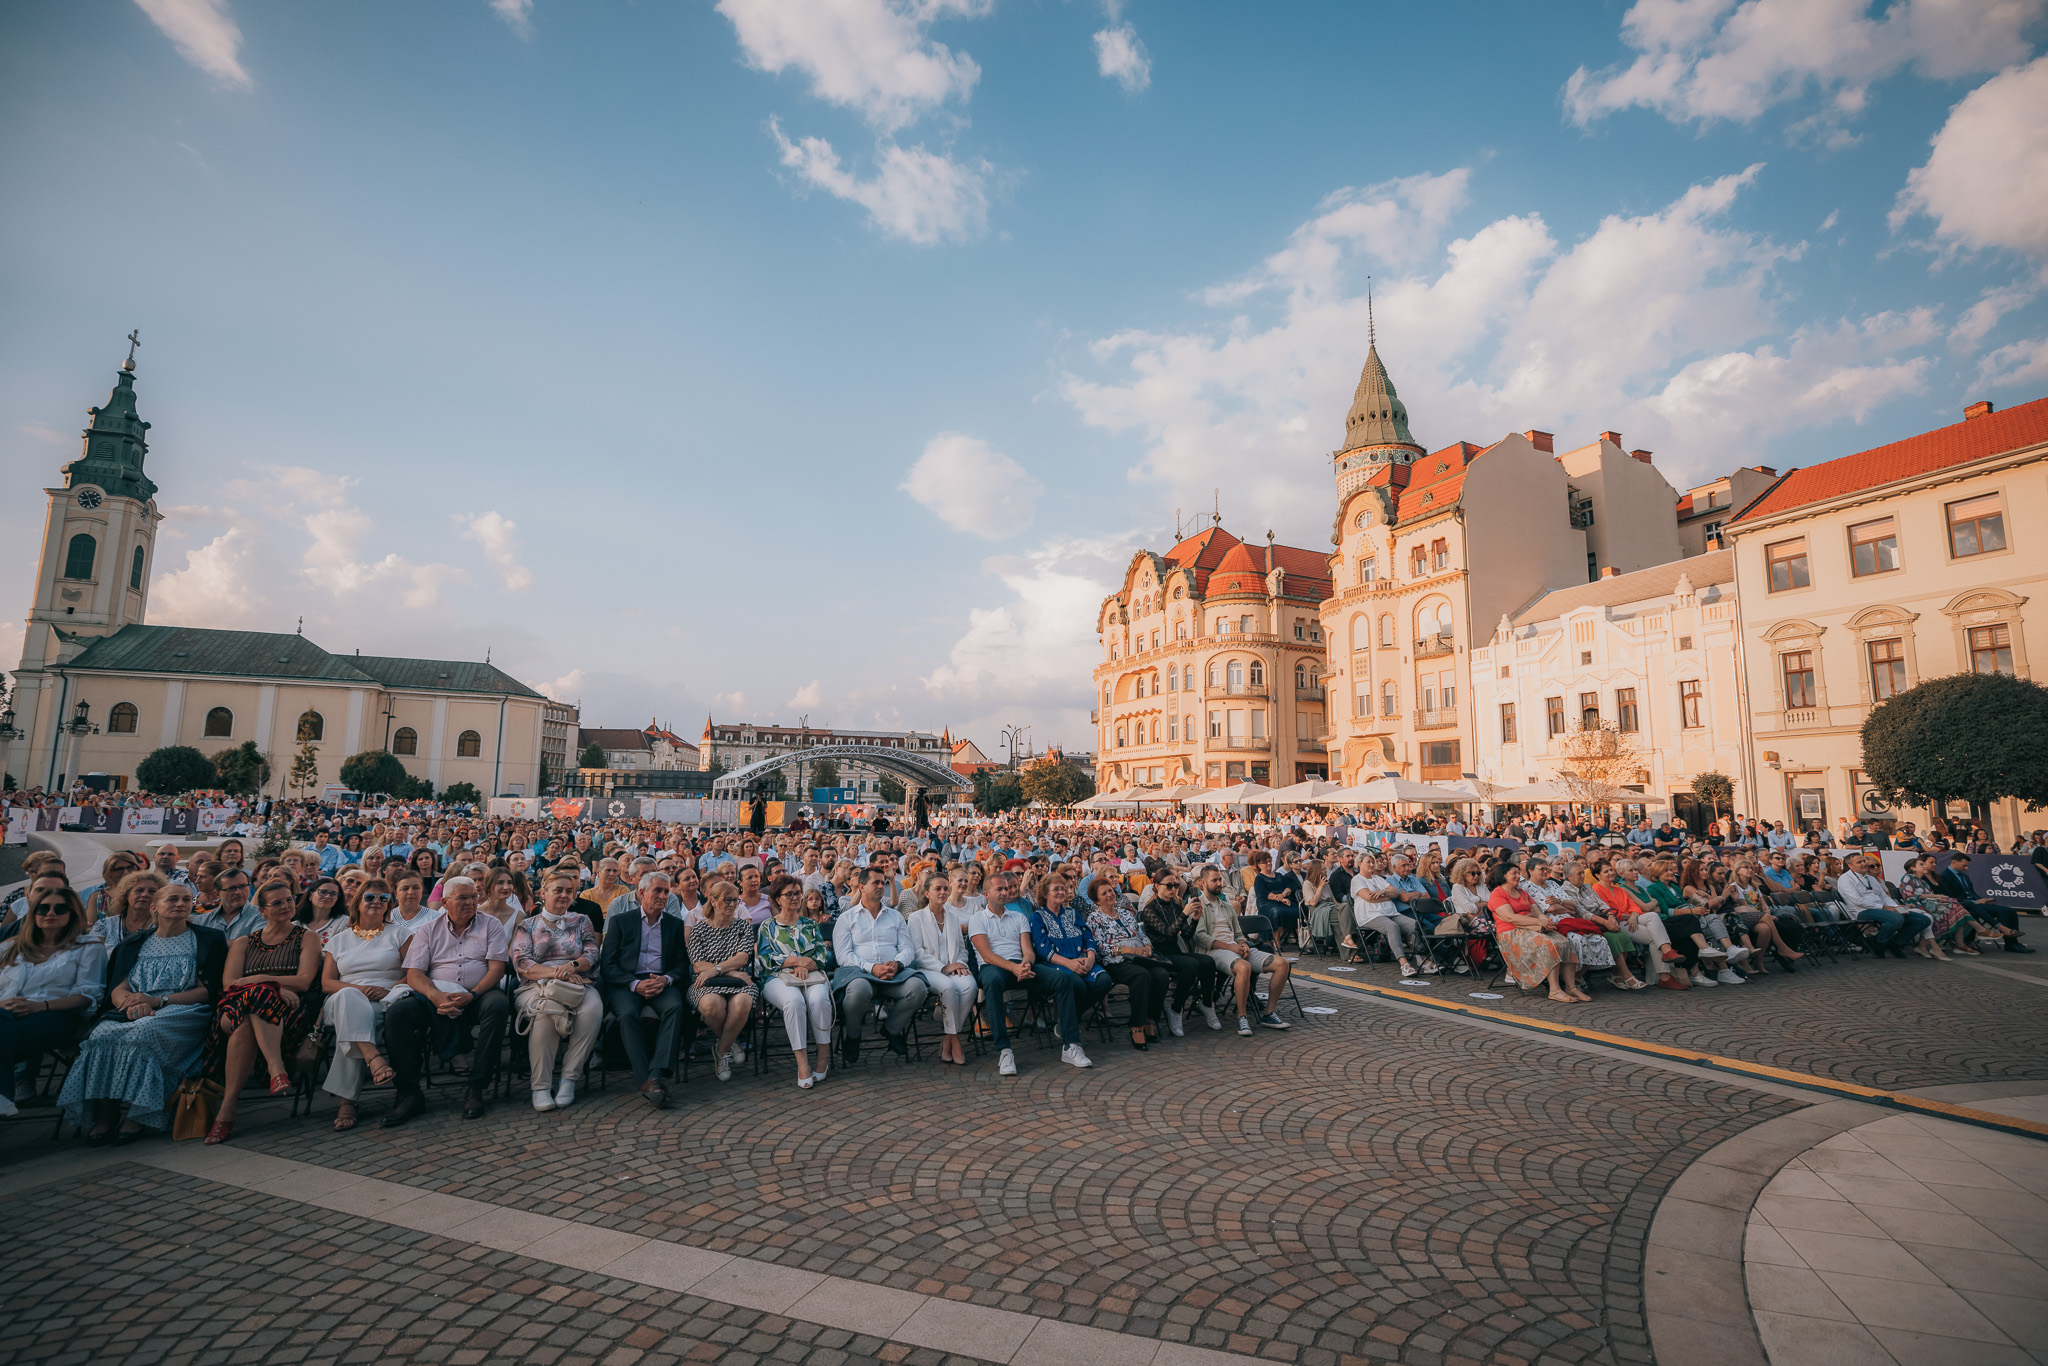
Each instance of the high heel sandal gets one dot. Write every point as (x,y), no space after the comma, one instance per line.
(221,1132)
(279,1084)
(381,1071)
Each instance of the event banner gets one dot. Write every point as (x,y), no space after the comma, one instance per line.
(2009,880)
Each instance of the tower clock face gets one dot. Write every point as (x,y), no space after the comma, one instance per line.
(89,498)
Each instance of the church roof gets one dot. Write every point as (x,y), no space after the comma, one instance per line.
(113,447)
(270,654)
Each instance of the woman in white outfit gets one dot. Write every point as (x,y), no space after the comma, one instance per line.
(360,971)
(793,963)
(553,954)
(941,935)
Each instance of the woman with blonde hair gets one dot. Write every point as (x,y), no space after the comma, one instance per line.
(361,970)
(127,912)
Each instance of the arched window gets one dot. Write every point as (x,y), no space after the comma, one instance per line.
(468,745)
(79,556)
(122,719)
(407,741)
(312,726)
(1386,631)
(1173,678)
(1236,675)
(1215,675)
(1301,675)
(1155,732)
(1258,673)
(1388,699)
(220,721)
(135,570)
(1105,694)
(1361,632)
(1139,690)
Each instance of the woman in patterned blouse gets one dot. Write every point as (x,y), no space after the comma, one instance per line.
(793,963)
(1127,957)
(558,945)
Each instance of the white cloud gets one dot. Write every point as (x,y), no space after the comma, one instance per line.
(1640,327)
(871,56)
(919,196)
(517,14)
(500,542)
(1034,652)
(972,487)
(811,694)
(1703,60)
(567,688)
(45,433)
(1985,183)
(205,35)
(1122,58)
(2022,363)
(282,543)
(731,703)
(1981,317)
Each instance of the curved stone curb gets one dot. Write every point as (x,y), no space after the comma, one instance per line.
(1695,1296)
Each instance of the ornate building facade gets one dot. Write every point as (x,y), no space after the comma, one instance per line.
(99,687)
(1212,666)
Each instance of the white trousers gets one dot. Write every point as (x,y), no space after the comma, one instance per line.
(357,1020)
(545,1039)
(802,1006)
(956,998)
(1649,930)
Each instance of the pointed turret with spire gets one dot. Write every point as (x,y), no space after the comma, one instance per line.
(113,446)
(1376,429)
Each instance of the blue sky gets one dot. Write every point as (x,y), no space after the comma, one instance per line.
(772,357)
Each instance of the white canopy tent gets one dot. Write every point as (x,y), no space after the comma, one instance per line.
(1387,791)
(1313,790)
(1238,795)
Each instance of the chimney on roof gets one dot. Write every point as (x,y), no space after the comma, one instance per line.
(1765,469)
(1608,571)
(1540,440)
(1615,437)
(1981,408)
(1643,456)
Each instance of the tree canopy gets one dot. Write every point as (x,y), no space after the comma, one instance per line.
(1055,782)
(997,791)
(1973,738)
(372,772)
(461,792)
(243,769)
(825,773)
(175,769)
(1716,790)
(593,756)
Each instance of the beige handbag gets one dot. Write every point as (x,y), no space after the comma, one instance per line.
(551,996)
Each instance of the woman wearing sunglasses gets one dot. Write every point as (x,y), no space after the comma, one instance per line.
(359,971)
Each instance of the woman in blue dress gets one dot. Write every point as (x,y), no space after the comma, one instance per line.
(165,982)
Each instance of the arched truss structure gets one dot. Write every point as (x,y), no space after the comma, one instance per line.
(914,770)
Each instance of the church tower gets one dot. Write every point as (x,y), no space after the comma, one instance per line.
(1376,429)
(100,536)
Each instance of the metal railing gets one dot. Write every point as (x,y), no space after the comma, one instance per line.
(1430,647)
(1240,742)
(1435,718)
(1312,693)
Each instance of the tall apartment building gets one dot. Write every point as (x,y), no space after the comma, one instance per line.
(1212,664)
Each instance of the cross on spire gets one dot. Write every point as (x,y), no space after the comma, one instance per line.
(134,340)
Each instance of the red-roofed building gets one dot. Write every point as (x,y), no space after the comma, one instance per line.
(1211,666)
(1863,576)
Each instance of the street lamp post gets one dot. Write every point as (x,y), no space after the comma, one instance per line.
(80,726)
(8,735)
(1011,735)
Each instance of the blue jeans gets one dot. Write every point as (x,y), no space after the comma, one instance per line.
(1896,927)
(1073,995)
(995,986)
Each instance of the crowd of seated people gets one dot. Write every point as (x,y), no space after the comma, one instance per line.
(382,954)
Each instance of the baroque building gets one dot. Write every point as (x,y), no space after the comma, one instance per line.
(1212,666)
(100,687)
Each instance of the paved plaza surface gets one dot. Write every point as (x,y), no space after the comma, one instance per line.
(1386,1183)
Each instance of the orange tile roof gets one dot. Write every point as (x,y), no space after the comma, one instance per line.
(1430,490)
(1971,439)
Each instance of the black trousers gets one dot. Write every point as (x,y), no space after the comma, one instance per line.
(1682,928)
(414,1022)
(669,1017)
(1996,914)
(1146,980)
(1194,974)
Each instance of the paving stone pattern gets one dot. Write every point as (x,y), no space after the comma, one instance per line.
(136,1267)
(1891,1024)
(1372,1186)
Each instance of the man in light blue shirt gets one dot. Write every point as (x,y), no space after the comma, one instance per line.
(1642,836)
(1780,837)
(877,959)
(330,855)
(234,917)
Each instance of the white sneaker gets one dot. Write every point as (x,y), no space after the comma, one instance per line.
(1209,1017)
(1737,954)
(725,1067)
(1730,978)
(565,1093)
(1006,1063)
(1700,979)
(7,1109)
(1072,1056)
(1173,1023)
(543,1100)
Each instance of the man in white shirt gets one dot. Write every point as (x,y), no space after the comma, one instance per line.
(1001,935)
(1864,893)
(1377,906)
(876,954)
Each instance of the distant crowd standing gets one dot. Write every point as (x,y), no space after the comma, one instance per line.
(391,945)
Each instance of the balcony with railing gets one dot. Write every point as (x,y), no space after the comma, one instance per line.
(1312,692)
(1431,647)
(1239,690)
(1435,718)
(1258,742)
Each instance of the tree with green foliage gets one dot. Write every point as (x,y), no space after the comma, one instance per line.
(996,791)
(374,772)
(541,783)
(243,770)
(1055,782)
(1975,738)
(175,769)
(415,790)
(1717,790)
(825,773)
(891,790)
(305,774)
(592,756)
(461,792)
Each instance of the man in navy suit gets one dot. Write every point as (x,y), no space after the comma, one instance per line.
(1956,882)
(645,963)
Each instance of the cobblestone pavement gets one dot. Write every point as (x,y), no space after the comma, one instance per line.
(1377,1185)
(136,1266)
(1888,1023)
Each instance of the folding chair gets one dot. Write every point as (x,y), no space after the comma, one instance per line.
(1257,931)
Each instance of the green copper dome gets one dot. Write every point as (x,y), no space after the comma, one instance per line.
(114,445)
(1377,416)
